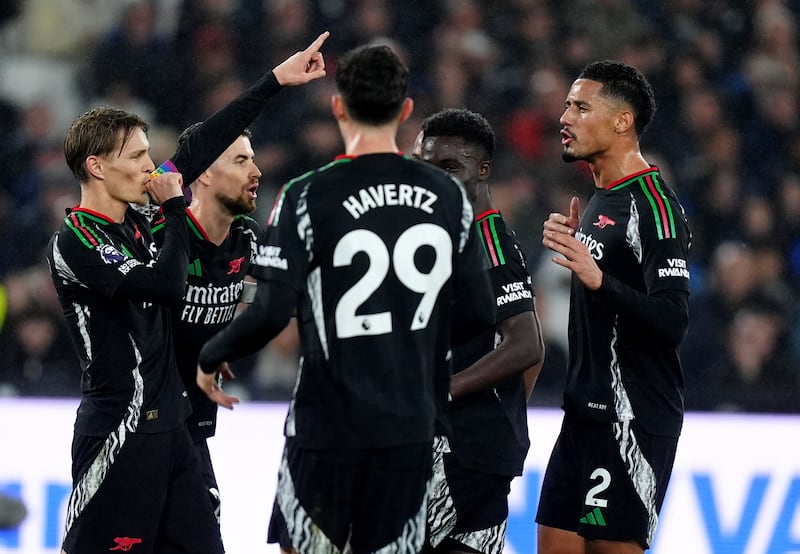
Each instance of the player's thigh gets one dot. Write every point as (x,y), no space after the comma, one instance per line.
(119,492)
(209,477)
(481,505)
(561,499)
(277,531)
(188,523)
(613,547)
(624,473)
(481,499)
(390,512)
(551,540)
(441,518)
(315,496)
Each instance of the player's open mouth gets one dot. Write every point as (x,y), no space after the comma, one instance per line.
(566,138)
(253,191)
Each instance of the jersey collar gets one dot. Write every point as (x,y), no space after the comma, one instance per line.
(352,157)
(631,177)
(487,213)
(196,225)
(98,215)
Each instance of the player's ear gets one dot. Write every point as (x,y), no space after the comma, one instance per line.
(624,121)
(406,110)
(204,178)
(484,170)
(338,107)
(94,166)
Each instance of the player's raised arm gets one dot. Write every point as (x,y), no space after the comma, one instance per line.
(304,66)
(205,144)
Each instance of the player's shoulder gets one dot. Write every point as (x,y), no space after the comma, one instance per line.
(493,216)
(63,239)
(244,223)
(500,239)
(496,226)
(330,169)
(293,188)
(82,228)
(446,187)
(437,174)
(403,169)
(658,209)
(649,183)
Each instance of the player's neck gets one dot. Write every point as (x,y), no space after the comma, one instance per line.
(95,198)
(360,140)
(483,202)
(213,218)
(611,167)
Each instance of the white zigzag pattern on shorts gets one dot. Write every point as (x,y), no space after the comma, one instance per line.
(309,539)
(90,482)
(441,510)
(306,537)
(488,541)
(640,472)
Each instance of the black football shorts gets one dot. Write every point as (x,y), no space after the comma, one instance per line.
(370,499)
(606,480)
(141,493)
(467,509)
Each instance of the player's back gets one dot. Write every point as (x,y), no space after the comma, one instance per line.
(377,240)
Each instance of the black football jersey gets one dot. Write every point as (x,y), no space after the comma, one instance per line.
(115,303)
(214,286)
(490,428)
(623,359)
(91,256)
(377,247)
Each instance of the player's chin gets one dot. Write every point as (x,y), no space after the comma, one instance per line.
(247,205)
(141,200)
(569,156)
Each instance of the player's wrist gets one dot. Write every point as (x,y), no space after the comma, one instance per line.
(203,363)
(174,204)
(597,281)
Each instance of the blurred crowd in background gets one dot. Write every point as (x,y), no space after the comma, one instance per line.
(726,136)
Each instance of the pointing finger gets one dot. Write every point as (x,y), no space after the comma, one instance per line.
(315,46)
(574,207)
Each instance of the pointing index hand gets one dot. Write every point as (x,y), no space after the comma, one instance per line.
(304,66)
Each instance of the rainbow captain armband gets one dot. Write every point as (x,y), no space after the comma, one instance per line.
(166,167)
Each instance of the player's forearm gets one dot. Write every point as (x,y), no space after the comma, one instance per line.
(664,314)
(267,316)
(217,132)
(531,375)
(521,348)
(492,369)
(164,281)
